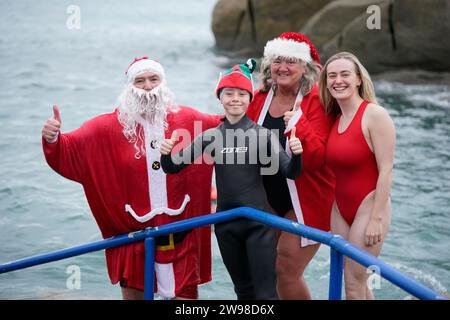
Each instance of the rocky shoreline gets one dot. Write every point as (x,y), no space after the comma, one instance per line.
(411,33)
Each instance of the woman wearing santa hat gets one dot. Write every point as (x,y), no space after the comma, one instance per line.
(289,98)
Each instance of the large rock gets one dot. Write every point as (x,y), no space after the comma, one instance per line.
(373,47)
(421,30)
(227,20)
(246,25)
(413,33)
(323,26)
(411,36)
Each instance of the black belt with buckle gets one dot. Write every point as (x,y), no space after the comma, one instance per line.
(171,238)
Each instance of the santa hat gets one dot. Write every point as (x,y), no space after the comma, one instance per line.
(140,65)
(240,76)
(292,45)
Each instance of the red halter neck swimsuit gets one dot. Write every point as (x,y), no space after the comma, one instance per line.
(354,164)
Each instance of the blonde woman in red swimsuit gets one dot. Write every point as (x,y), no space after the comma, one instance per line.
(360,152)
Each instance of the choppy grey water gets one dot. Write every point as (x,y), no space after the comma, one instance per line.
(44,62)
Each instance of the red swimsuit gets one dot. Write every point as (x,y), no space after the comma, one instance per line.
(354,164)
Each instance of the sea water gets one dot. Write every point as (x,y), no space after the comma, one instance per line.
(47,57)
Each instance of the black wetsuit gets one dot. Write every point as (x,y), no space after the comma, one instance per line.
(278,197)
(242,153)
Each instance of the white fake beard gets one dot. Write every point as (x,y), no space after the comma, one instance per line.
(151,106)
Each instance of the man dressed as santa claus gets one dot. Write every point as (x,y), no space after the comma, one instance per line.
(116,158)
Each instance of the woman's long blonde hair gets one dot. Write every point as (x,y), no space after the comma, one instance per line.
(366,89)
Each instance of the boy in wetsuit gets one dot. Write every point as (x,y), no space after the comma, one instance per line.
(242,152)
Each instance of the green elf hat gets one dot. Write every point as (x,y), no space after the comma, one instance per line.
(240,76)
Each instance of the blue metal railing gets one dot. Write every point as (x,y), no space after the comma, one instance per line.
(338,248)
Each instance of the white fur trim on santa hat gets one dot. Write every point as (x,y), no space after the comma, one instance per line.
(288,48)
(144,65)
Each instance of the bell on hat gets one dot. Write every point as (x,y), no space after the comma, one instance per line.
(239,76)
(292,45)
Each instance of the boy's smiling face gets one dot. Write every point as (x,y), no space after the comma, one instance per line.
(235,101)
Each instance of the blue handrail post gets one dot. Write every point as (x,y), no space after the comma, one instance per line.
(149,276)
(336,270)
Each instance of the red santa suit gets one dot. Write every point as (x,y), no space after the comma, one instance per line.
(98,156)
(312,193)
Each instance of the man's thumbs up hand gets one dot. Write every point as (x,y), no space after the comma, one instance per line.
(52,126)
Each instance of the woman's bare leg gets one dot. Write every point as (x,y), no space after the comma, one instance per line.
(292,260)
